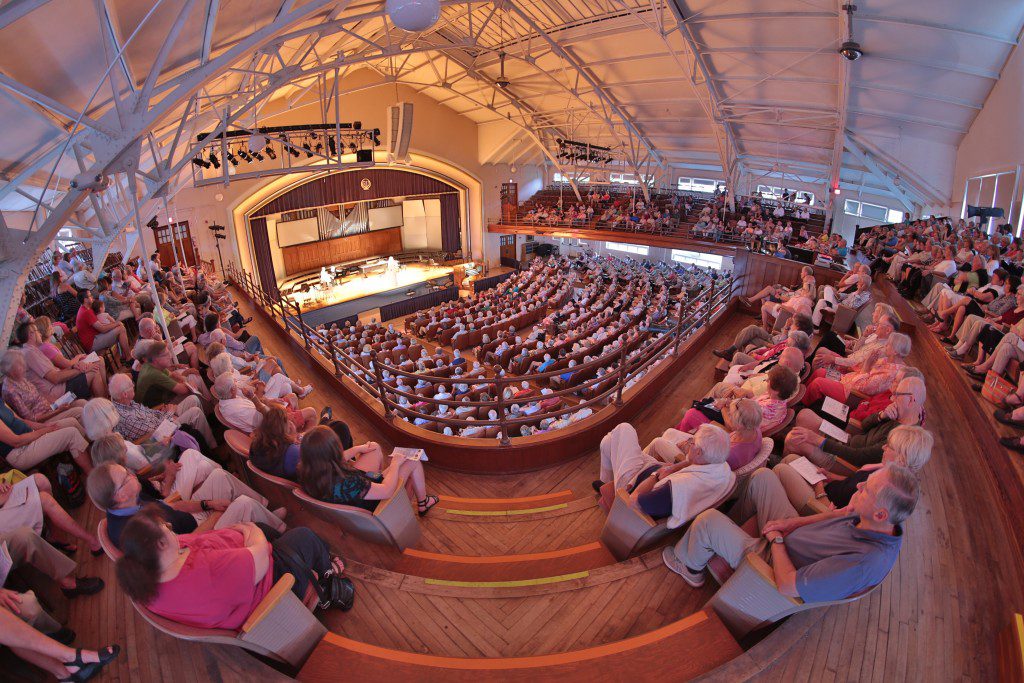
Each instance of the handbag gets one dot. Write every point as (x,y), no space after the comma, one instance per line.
(996,388)
(332,590)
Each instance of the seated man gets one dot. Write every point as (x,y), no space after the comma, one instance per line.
(831,299)
(795,338)
(700,479)
(754,383)
(158,385)
(245,412)
(99,333)
(830,556)
(755,337)
(138,422)
(118,490)
(150,330)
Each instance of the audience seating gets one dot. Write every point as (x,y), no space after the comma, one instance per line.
(393,523)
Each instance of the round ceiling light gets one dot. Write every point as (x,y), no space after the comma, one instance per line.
(413,15)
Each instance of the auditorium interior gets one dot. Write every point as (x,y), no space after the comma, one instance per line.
(508,340)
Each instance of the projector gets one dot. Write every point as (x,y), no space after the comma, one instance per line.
(851,50)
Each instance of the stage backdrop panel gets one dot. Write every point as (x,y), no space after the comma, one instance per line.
(290,233)
(304,257)
(414,224)
(432,218)
(386,217)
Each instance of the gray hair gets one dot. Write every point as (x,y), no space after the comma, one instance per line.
(900,344)
(901,493)
(912,445)
(9,359)
(221,364)
(713,442)
(746,414)
(799,340)
(100,485)
(99,417)
(119,382)
(224,387)
(109,448)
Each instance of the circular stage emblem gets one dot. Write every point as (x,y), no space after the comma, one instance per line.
(365,183)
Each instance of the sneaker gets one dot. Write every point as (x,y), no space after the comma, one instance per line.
(695,579)
(722,353)
(306,391)
(84,585)
(326,415)
(1013,443)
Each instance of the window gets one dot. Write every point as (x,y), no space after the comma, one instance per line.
(700,184)
(697,258)
(871,211)
(638,249)
(559,178)
(895,216)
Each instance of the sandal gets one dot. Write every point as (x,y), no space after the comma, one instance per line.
(87,670)
(426,504)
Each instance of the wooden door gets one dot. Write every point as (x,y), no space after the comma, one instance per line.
(174,238)
(507,245)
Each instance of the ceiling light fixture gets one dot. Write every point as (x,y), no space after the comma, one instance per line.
(850,49)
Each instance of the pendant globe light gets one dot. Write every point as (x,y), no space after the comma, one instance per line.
(413,15)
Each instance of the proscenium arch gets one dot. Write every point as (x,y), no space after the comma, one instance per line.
(470,200)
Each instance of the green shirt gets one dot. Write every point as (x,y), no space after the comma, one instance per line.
(154,386)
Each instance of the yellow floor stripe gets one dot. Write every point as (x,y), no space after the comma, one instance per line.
(496,513)
(508,584)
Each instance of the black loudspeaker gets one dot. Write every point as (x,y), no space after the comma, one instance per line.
(363,155)
(984,211)
(544,249)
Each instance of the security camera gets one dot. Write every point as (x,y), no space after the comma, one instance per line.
(502,82)
(851,50)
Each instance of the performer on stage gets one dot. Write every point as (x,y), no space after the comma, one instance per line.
(325,277)
(392,271)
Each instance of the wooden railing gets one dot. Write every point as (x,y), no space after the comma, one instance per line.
(345,364)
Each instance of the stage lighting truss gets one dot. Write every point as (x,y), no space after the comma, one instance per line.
(583,153)
(287,145)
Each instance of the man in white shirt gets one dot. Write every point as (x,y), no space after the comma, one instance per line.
(245,413)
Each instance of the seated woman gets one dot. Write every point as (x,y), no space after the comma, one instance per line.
(907,408)
(742,419)
(63,662)
(277,386)
(908,446)
(84,380)
(876,375)
(23,397)
(782,384)
(325,474)
(679,491)
(214,579)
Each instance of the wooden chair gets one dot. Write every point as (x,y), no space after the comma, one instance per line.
(628,531)
(749,599)
(393,523)
(224,421)
(797,396)
(278,489)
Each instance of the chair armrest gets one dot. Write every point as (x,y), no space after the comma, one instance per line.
(173,498)
(210,523)
(397,517)
(763,570)
(269,602)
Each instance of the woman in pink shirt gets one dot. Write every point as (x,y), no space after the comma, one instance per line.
(217,578)
(877,375)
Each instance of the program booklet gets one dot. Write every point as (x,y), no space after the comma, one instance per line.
(835,408)
(807,469)
(67,398)
(164,430)
(410,454)
(829,429)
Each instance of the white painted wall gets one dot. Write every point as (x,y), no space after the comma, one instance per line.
(995,141)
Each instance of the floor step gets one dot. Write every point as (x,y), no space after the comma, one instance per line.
(500,569)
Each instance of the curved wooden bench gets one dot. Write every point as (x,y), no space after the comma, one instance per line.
(694,645)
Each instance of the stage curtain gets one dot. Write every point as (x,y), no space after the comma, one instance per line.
(264,261)
(451,224)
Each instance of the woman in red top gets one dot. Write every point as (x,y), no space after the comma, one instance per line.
(214,579)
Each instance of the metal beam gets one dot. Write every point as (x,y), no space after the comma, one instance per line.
(842,99)
(16,9)
(879,173)
(933,26)
(212,6)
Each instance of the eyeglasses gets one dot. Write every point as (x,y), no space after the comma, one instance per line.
(901,393)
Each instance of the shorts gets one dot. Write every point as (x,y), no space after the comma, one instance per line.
(105,340)
(79,386)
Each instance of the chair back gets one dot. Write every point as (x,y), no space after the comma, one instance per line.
(108,545)
(391,524)
(790,414)
(238,442)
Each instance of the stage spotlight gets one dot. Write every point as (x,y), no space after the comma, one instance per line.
(352,146)
(357,125)
(258,155)
(214,160)
(198,161)
(331,145)
(309,150)
(232,159)
(245,156)
(294,152)
(319,148)
(376,138)
(270,152)
(413,15)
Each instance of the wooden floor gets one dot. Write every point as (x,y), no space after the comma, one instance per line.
(935,618)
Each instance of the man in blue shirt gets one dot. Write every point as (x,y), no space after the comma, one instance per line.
(829,556)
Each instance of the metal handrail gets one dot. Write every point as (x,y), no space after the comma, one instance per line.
(347,364)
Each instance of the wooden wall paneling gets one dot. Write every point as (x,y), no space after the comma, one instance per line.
(312,255)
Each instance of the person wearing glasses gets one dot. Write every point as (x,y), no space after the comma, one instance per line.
(118,491)
(907,408)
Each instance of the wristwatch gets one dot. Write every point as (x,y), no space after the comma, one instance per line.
(204,505)
(778,539)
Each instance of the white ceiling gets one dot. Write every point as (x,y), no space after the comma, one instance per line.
(755,84)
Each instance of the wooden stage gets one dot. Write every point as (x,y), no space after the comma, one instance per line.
(936,618)
(358,286)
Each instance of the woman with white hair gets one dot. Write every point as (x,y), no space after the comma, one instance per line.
(907,445)
(742,420)
(907,408)
(23,397)
(102,419)
(875,376)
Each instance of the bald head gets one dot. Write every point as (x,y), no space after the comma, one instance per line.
(793,359)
